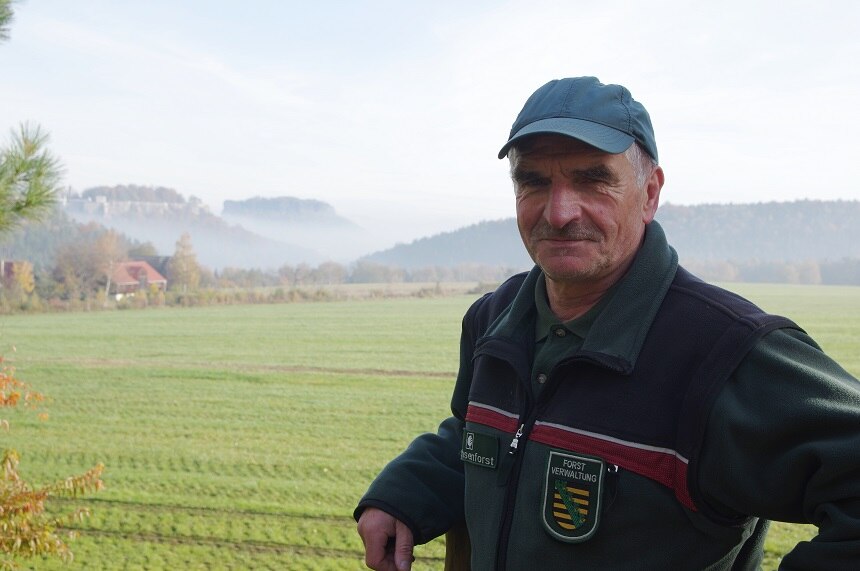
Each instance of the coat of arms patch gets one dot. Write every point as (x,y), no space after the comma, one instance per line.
(572,494)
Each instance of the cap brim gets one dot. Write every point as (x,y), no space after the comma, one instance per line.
(605,138)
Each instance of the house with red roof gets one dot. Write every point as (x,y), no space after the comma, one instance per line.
(130,277)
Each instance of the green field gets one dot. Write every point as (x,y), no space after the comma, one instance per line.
(241,437)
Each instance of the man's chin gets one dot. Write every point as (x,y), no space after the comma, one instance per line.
(566,272)
(566,250)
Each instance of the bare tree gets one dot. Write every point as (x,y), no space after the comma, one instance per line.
(183,271)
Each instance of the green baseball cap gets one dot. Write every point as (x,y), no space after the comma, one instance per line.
(603,116)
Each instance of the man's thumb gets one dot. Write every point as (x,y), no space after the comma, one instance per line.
(404,542)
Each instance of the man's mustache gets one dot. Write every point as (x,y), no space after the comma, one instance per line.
(543,231)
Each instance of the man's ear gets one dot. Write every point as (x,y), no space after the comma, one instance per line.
(652,194)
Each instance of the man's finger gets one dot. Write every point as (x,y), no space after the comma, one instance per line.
(374,552)
(403,544)
(377,530)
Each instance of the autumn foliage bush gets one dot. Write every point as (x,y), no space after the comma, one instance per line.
(26,530)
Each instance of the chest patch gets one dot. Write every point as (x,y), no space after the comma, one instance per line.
(573,490)
(480,449)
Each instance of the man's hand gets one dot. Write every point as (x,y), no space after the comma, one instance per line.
(387,541)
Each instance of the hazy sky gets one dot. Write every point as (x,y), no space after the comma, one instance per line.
(393,112)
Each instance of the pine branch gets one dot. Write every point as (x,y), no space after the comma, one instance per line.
(29,178)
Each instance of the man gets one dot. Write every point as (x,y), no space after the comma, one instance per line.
(611,410)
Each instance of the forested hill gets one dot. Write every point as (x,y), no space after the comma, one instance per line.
(492,242)
(772,231)
(761,232)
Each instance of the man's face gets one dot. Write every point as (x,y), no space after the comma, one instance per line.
(580,211)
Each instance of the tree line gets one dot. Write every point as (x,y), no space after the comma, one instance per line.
(77,277)
(814,272)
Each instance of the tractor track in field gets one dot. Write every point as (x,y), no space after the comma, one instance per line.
(201,510)
(245,545)
(252,546)
(116,363)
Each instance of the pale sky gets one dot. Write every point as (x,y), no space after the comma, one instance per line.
(393,112)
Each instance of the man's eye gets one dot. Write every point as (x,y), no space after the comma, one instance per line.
(594,176)
(589,180)
(533,181)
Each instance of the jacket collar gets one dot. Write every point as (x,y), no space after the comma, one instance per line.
(618,332)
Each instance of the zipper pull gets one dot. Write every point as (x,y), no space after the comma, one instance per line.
(516,441)
(507,461)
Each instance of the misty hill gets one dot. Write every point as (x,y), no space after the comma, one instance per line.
(773,231)
(301,221)
(285,209)
(133,193)
(161,216)
(37,242)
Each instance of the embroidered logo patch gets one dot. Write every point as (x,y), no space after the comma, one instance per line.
(480,449)
(572,492)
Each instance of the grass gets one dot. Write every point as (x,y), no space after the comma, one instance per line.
(234,437)
(240,437)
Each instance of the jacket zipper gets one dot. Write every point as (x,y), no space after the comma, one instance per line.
(514,457)
(510,465)
(512,474)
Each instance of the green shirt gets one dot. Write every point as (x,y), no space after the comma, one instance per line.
(556,340)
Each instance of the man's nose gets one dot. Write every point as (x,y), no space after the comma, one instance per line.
(563,205)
